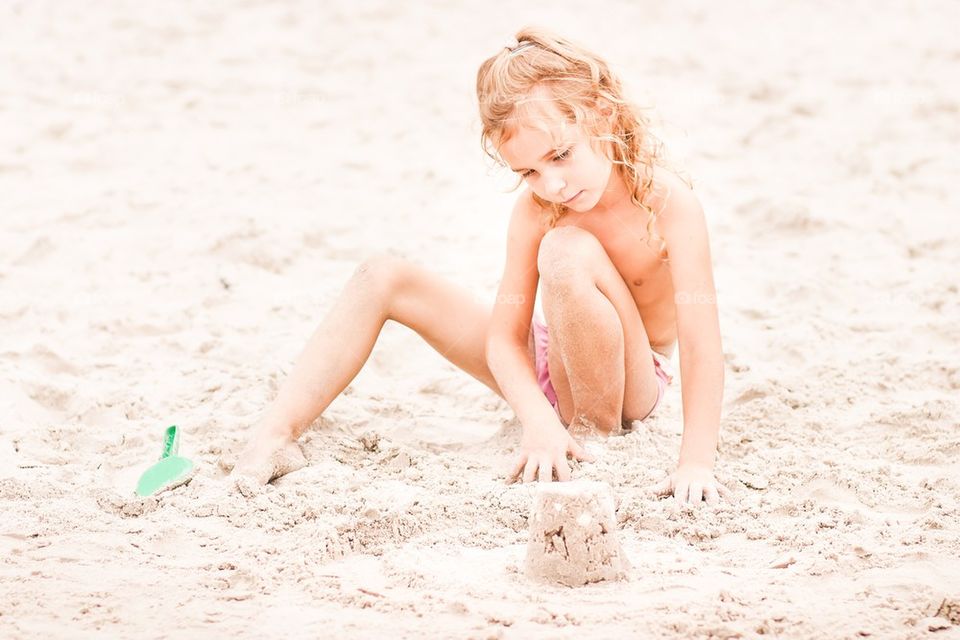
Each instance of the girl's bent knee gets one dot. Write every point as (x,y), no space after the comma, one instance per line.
(383,273)
(564,251)
(381,268)
(599,422)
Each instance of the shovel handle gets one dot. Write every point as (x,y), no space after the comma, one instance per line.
(171,442)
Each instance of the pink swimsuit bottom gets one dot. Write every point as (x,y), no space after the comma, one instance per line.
(661,364)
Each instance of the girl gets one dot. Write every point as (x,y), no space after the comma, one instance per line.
(618,246)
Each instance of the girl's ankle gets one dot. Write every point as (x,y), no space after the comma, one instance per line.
(276,431)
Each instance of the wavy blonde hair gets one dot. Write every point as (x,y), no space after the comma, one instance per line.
(580,84)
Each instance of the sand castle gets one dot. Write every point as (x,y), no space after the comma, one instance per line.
(573,535)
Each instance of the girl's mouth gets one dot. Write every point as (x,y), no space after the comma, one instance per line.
(579,193)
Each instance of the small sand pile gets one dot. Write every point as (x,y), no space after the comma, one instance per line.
(573,535)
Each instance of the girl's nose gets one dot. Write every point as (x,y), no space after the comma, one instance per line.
(554,185)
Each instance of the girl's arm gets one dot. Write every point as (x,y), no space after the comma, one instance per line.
(683,227)
(545,442)
(507,335)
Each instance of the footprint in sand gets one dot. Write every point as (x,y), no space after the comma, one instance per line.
(51,361)
(38,250)
(766,214)
(48,396)
(249,247)
(754,392)
(18,407)
(827,493)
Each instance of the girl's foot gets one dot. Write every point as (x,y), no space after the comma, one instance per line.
(265,459)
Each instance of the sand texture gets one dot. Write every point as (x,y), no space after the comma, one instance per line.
(185,189)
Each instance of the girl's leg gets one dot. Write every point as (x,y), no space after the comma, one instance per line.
(383,288)
(600,361)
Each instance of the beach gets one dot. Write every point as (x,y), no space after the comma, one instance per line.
(186,189)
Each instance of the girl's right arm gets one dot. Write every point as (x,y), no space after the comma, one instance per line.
(545,442)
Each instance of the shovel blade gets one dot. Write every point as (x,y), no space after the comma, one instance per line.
(167,473)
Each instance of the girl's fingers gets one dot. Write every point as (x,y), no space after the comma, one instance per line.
(530,470)
(517,468)
(680,491)
(661,488)
(563,470)
(696,493)
(546,471)
(579,452)
(710,495)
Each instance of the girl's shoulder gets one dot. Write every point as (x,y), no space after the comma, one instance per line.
(678,210)
(529,214)
(526,227)
(668,187)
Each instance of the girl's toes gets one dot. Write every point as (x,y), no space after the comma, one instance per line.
(287,460)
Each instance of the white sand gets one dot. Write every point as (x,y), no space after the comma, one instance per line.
(186,187)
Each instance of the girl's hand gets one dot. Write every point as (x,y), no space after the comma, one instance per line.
(692,483)
(545,449)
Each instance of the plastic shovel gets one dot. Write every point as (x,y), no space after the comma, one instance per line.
(170,471)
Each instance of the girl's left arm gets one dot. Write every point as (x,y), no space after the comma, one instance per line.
(683,227)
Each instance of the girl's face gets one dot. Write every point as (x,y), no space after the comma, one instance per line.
(558,163)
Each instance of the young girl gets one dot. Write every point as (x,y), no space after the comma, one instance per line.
(618,246)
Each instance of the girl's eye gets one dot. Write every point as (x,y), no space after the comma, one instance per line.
(559,157)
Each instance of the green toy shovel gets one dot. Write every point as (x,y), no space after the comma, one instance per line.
(171,471)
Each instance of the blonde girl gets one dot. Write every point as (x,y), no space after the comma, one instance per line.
(617,245)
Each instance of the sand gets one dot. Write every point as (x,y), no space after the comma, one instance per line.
(573,538)
(186,188)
